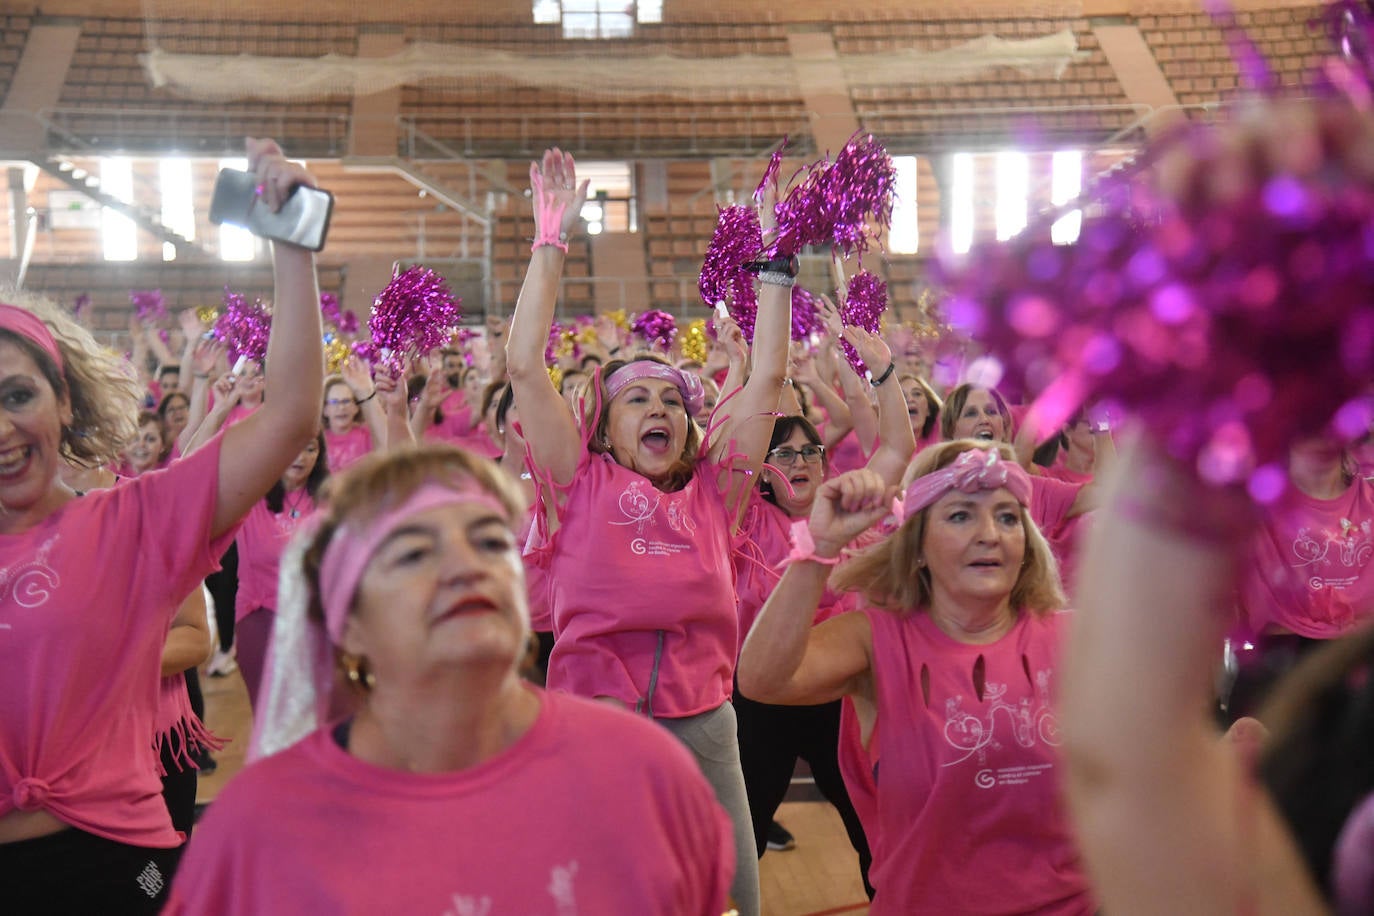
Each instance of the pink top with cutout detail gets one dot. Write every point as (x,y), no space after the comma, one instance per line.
(86,600)
(968,808)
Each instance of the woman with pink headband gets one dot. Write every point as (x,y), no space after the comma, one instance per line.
(455,786)
(951,666)
(637,513)
(89,586)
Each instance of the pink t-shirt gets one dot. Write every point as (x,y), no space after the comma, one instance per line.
(1309,571)
(1065,537)
(1051,501)
(591,812)
(968,808)
(261,539)
(642,590)
(86,599)
(347,448)
(765,539)
(847,454)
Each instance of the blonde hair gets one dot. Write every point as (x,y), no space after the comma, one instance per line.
(887,573)
(384,480)
(100,386)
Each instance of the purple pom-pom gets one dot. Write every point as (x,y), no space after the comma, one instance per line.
(835,201)
(806,315)
(80,304)
(415,314)
(243,328)
(148,304)
(657,327)
(329,308)
(865,300)
(770,173)
(1230,328)
(737,240)
(348,323)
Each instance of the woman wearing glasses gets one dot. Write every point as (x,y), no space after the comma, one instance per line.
(772,738)
(354,422)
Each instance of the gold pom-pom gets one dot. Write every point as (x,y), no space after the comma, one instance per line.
(207,314)
(586,335)
(556,376)
(621,320)
(692,341)
(335,352)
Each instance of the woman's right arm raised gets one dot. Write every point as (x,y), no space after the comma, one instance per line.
(264,444)
(548,424)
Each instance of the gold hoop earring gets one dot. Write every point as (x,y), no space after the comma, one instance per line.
(355,668)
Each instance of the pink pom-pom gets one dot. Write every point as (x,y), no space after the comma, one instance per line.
(1230,328)
(243,328)
(348,323)
(835,201)
(657,327)
(736,241)
(329,308)
(148,305)
(806,315)
(414,315)
(865,300)
(554,343)
(80,304)
(770,173)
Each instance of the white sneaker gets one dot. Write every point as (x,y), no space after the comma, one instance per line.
(222,663)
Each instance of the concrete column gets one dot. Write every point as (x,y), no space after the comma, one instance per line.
(823,88)
(1138,71)
(37,85)
(374,114)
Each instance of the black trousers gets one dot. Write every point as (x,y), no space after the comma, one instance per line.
(224,588)
(75,872)
(771,740)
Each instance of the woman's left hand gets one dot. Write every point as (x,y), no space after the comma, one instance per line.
(358,376)
(277,176)
(873,350)
(553,183)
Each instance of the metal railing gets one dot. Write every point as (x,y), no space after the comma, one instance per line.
(196,130)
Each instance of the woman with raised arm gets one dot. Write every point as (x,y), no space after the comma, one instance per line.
(89,581)
(637,515)
(455,787)
(772,737)
(1169,815)
(950,662)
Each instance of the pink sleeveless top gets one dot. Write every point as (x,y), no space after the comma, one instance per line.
(641,590)
(968,808)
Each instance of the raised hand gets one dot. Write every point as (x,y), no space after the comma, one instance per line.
(357,375)
(873,350)
(205,359)
(276,175)
(557,197)
(846,506)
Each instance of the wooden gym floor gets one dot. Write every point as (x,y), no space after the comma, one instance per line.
(818,878)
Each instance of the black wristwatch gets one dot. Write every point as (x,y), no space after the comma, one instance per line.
(780,264)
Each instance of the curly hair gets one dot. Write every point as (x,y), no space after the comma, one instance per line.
(100,386)
(883,573)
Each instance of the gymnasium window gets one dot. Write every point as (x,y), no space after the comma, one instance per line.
(597,18)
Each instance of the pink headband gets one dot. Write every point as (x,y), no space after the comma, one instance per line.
(693,395)
(30,327)
(350,549)
(974,470)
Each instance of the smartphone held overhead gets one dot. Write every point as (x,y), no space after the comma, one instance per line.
(303,219)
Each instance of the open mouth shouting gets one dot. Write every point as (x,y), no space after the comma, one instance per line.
(14,461)
(657,439)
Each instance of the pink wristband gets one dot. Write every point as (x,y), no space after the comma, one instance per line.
(804,546)
(550,212)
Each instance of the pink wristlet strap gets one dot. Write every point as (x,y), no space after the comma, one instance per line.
(550,212)
(804,546)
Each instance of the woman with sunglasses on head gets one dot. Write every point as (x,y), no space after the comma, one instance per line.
(637,514)
(454,786)
(82,824)
(772,738)
(950,662)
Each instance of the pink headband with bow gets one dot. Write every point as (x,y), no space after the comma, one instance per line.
(352,546)
(974,470)
(30,327)
(693,394)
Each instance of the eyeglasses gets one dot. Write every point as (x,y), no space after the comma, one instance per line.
(809,453)
(335,402)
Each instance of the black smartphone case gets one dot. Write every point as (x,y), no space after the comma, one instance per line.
(303,219)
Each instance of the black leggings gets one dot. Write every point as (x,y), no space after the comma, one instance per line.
(224,588)
(75,872)
(771,740)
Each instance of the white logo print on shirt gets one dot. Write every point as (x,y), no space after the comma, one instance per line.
(30,583)
(560,888)
(1353,548)
(641,510)
(1030,722)
(637,507)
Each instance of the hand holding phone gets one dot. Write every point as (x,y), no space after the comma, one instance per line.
(302,219)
